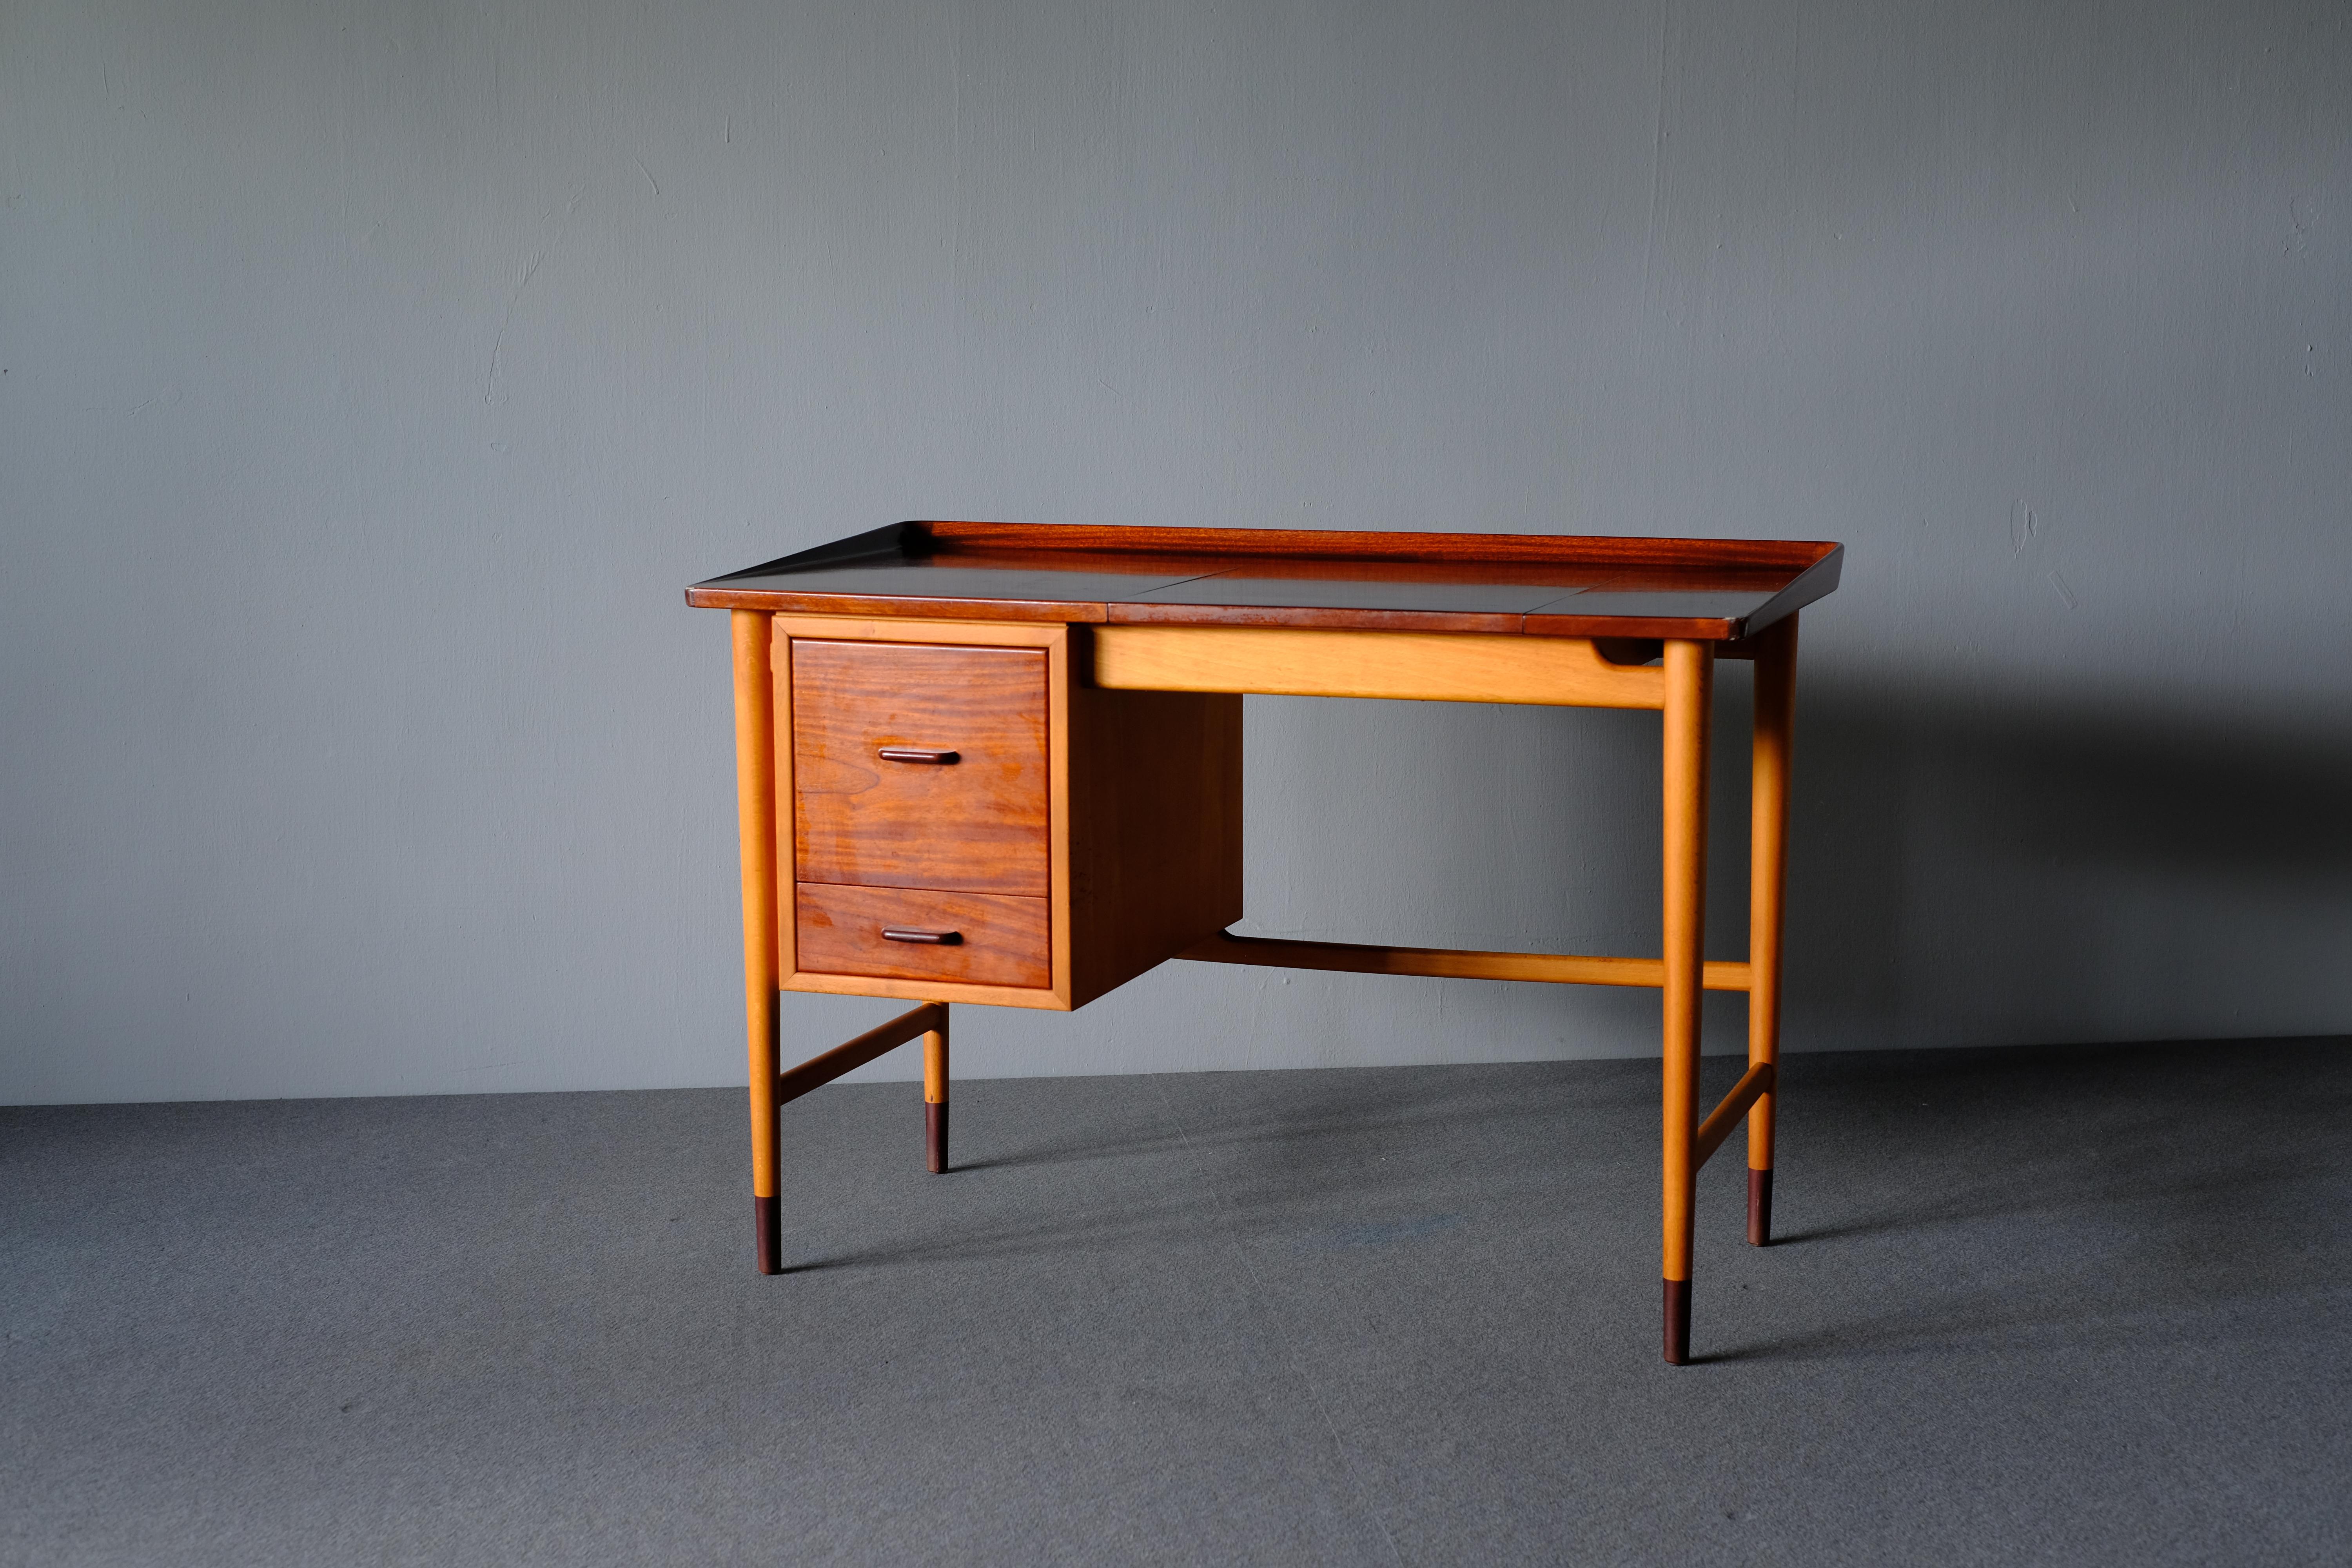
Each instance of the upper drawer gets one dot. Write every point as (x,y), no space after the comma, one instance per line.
(974,825)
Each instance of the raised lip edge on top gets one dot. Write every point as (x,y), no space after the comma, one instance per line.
(1817,563)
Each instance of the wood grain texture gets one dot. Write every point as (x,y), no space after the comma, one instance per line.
(1430,667)
(1115,547)
(1452,962)
(818,1071)
(1113,791)
(1155,812)
(865,627)
(1713,590)
(1570,621)
(1044,998)
(812,600)
(1772,755)
(780,689)
(755,808)
(935,1062)
(977,826)
(1546,548)
(1690,671)
(1052,642)
(935,1095)
(1060,674)
(1006,941)
(1723,1119)
(1141,824)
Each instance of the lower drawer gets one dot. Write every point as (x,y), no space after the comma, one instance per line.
(988,938)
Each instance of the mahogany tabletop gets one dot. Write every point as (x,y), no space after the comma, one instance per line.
(1541,585)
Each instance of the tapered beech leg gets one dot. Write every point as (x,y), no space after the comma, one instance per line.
(935,1094)
(1767,881)
(1690,682)
(755,817)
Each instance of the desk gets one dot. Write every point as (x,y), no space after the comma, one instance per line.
(1001,763)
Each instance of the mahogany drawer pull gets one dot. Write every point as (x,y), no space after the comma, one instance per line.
(915,933)
(918,754)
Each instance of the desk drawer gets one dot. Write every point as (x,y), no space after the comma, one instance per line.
(976,822)
(990,941)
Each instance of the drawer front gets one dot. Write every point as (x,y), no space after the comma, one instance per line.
(976,824)
(994,941)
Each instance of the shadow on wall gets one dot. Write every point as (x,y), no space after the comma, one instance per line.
(1972,870)
(1971,866)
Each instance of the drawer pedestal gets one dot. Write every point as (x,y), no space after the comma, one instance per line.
(973,821)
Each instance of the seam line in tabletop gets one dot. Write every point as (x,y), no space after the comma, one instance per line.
(1547,604)
(1179,583)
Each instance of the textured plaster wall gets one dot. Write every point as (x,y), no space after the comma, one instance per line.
(372,376)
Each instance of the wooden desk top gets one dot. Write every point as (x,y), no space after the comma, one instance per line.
(1541,585)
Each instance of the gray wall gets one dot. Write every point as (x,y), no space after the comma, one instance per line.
(376,374)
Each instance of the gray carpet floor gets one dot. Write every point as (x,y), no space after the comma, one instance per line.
(2082,1307)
